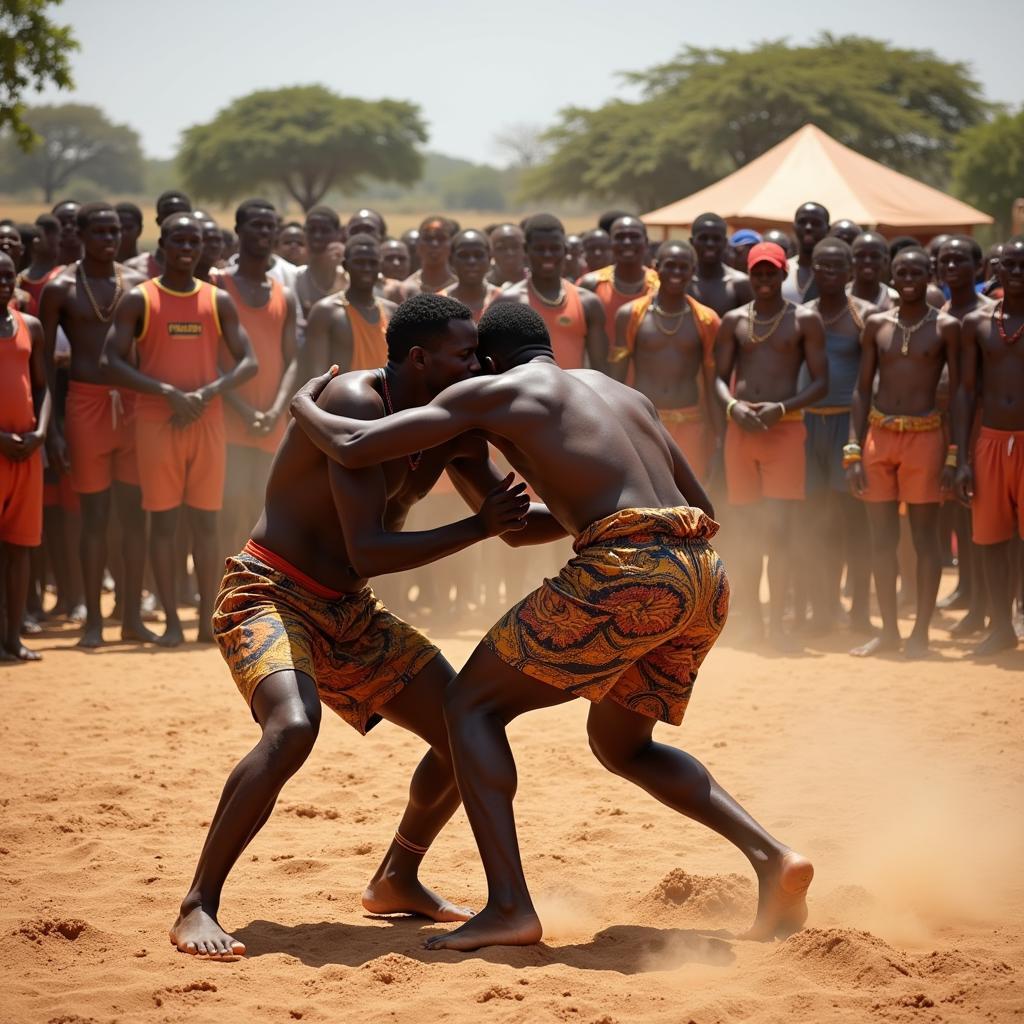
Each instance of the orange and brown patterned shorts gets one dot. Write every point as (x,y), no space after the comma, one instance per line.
(630,617)
(271,617)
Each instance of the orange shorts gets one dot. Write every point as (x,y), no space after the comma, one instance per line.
(686,426)
(99,423)
(767,464)
(903,465)
(271,617)
(58,492)
(182,465)
(997,511)
(630,617)
(21,501)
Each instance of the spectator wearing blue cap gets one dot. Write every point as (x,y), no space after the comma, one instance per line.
(742,242)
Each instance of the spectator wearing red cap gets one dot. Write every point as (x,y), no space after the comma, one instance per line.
(765,343)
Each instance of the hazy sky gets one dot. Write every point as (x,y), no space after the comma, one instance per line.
(473,66)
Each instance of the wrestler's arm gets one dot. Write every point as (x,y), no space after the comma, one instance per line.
(963,404)
(237,342)
(860,402)
(475,476)
(950,333)
(597,337)
(39,384)
(619,356)
(327,323)
(813,331)
(358,443)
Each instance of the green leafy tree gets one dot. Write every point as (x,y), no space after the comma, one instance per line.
(476,188)
(708,112)
(73,141)
(33,52)
(988,168)
(304,139)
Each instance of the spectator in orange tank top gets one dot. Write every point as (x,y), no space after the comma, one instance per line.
(177,324)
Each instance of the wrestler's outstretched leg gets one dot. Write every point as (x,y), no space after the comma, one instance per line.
(433,798)
(287,707)
(621,741)
(486,695)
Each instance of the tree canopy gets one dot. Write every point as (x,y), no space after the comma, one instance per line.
(33,52)
(73,141)
(305,139)
(988,169)
(708,112)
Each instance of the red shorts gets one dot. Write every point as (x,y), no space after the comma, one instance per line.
(903,465)
(686,426)
(767,464)
(21,501)
(58,492)
(997,510)
(182,465)
(100,430)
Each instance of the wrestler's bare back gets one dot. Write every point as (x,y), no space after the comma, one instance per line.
(300,520)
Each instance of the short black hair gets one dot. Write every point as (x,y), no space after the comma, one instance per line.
(373,213)
(293,224)
(64,202)
(830,243)
(450,227)
(815,206)
(541,222)
(326,213)
(246,209)
(675,243)
(47,222)
(901,242)
(172,194)
(90,210)
(710,218)
(594,232)
(871,236)
(509,328)
(175,218)
(607,219)
(132,210)
(364,242)
(472,235)
(421,320)
(912,252)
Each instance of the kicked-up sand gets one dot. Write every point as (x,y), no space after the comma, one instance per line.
(902,781)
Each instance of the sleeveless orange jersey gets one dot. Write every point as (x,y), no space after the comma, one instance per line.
(369,344)
(567,325)
(613,300)
(264,325)
(34,288)
(17,414)
(178,343)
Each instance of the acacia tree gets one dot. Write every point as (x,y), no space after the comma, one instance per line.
(988,168)
(708,112)
(33,52)
(72,140)
(305,139)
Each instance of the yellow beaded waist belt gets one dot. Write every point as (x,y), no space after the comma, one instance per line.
(905,424)
(796,414)
(677,417)
(827,410)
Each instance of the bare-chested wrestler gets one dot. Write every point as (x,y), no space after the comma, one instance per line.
(574,316)
(765,344)
(871,271)
(508,254)
(625,624)
(715,284)
(627,277)
(835,522)
(321,276)
(897,449)
(957,267)
(597,249)
(471,258)
(299,625)
(810,226)
(668,339)
(433,247)
(348,330)
(99,419)
(254,412)
(990,478)
(164,345)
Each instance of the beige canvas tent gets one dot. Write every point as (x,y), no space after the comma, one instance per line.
(811,165)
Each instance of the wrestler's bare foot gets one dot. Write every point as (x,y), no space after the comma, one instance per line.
(17,651)
(197,933)
(172,637)
(969,625)
(781,898)
(92,637)
(492,927)
(394,895)
(878,645)
(998,640)
(135,630)
(916,646)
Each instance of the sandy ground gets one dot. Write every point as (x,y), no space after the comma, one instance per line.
(902,781)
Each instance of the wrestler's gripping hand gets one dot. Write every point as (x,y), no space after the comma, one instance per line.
(964,484)
(505,507)
(312,388)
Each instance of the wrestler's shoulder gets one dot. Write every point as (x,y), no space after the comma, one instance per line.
(353,394)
